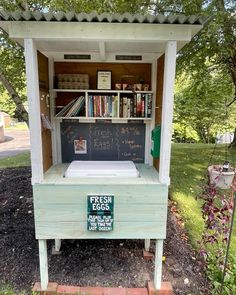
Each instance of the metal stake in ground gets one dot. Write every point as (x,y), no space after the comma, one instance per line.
(228,246)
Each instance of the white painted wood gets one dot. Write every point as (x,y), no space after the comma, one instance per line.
(58,140)
(86,120)
(147,141)
(158,264)
(102,51)
(167,111)
(52,110)
(55,175)
(57,245)
(147,243)
(99,91)
(83,31)
(147,57)
(31,62)
(43,263)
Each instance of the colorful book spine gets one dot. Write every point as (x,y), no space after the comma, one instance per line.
(125,107)
(139,105)
(121,107)
(142,105)
(149,110)
(135,105)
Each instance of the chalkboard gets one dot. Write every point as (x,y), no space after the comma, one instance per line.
(102,141)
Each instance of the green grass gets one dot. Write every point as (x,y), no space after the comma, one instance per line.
(18,126)
(189,164)
(15,161)
(7,290)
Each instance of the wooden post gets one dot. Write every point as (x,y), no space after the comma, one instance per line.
(158,264)
(147,244)
(31,62)
(43,263)
(167,111)
(57,245)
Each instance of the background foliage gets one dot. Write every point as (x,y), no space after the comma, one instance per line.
(206,67)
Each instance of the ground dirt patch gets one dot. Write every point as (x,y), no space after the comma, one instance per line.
(84,262)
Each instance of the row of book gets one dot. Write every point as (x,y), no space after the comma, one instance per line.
(73,108)
(103,106)
(140,105)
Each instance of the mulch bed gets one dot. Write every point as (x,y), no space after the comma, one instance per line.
(108,263)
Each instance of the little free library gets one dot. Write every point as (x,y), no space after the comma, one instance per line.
(100,92)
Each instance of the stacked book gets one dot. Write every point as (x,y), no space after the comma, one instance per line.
(140,105)
(73,108)
(103,106)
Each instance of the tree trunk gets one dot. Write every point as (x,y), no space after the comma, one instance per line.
(233,143)
(20,112)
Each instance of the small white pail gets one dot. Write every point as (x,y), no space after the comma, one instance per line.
(219,178)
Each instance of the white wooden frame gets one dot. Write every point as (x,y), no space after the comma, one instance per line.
(167,111)
(31,61)
(34,32)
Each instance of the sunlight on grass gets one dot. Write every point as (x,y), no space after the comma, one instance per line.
(7,290)
(18,126)
(189,164)
(15,161)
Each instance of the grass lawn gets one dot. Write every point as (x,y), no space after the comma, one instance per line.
(18,126)
(15,161)
(189,164)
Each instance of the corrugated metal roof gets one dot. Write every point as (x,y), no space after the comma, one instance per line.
(102,18)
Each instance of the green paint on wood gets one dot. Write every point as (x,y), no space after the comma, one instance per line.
(61,207)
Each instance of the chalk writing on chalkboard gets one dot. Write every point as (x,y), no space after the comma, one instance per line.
(104,141)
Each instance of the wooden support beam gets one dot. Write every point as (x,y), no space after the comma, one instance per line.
(34,110)
(167,111)
(43,262)
(102,51)
(147,243)
(57,245)
(158,264)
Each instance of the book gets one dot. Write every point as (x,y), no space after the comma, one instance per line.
(149,109)
(121,107)
(139,105)
(128,107)
(135,105)
(142,105)
(76,107)
(125,107)
(73,108)
(63,112)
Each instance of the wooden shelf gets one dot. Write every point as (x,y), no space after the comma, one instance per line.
(116,119)
(87,92)
(99,91)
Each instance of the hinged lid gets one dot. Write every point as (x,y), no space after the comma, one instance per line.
(102,169)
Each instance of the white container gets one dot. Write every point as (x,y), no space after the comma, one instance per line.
(219,178)
(2,137)
(102,169)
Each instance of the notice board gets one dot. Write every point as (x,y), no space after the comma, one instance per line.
(102,141)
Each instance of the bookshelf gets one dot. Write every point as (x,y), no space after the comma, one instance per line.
(122,105)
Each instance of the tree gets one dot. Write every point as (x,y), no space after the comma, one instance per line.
(216,44)
(200,104)
(12,74)
(12,69)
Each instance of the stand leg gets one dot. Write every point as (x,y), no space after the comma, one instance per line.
(43,263)
(158,264)
(57,245)
(147,244)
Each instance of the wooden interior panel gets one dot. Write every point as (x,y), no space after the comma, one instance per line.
(45,109)
(159,95)
(130,73)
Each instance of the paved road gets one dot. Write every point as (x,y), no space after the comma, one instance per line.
(17,141)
